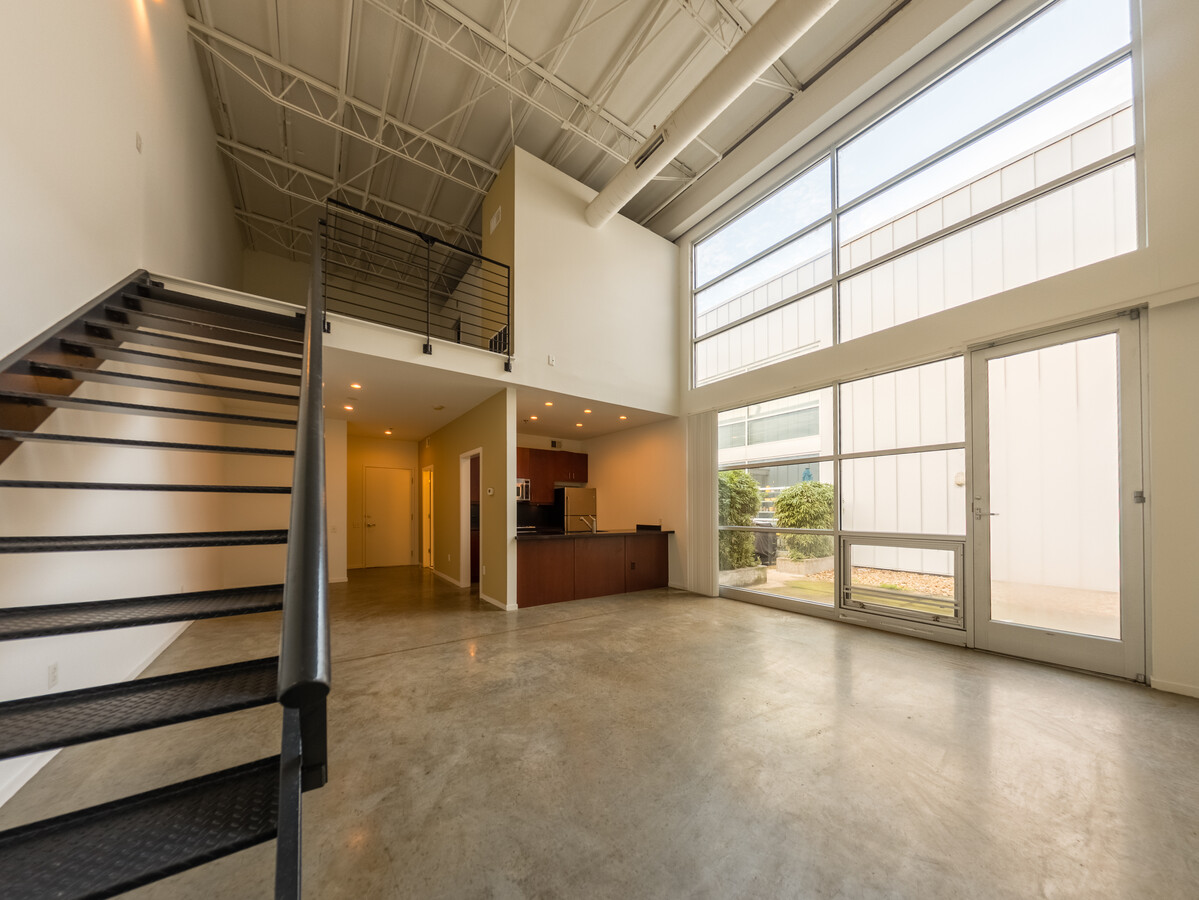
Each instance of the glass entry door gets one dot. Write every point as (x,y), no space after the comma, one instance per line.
(1057,502)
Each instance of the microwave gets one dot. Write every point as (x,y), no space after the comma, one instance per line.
(522,489)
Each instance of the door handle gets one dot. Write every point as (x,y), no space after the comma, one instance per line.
(370,525)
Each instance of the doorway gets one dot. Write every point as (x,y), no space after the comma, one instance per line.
(426,501)
(387,517)
(469,518)
(1057,498)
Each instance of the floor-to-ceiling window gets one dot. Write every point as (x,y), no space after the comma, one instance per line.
(1018,164)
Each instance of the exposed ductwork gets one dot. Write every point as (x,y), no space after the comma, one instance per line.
(780,27)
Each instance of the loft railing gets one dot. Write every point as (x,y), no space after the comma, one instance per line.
(384,272)
(304,654)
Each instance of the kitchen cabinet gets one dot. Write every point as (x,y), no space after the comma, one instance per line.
(545,467)
(553,568)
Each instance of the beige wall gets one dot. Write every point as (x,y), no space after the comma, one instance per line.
(640,478)
(490,427)
(388,454)
(270,275)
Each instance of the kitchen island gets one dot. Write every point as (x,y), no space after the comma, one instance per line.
(553,567)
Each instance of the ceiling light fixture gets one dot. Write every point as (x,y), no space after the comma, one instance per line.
(388,431)
(356,386)
(532,418)
(578,424)
(549,402)
(622,418)
(348,408)
(587,411)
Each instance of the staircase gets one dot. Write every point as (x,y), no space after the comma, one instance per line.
(140,337)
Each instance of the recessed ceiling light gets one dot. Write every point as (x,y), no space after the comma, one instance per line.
(348,408)
(356,386)
(549,402)
(623,418)
(587,411)
(578,424)
(388,431)
(532,418)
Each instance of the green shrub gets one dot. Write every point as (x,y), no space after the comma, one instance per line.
(808,504)
(739,501)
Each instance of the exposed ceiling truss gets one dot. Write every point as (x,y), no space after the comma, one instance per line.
(408,108)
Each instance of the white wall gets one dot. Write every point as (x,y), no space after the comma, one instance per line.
(640,478)
(85,209)
(597,299)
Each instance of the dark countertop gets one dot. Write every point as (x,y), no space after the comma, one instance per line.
(575,535)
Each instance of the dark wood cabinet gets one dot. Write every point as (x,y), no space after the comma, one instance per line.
(599,566)
(545,572)
(646,564)
(545,467)
(551,570)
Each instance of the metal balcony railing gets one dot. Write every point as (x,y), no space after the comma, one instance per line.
(381,271)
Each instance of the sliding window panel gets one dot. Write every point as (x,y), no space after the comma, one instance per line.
(784,273)
(788,331)
(1083,126)
(1050,48)
(914,580)
(909,493)
(920,406)
(789,429)
(782,564)
(1082,223)
(786,212)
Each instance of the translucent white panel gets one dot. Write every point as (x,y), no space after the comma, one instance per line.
(1067,37)
(791,330)
(799,265)
(911,493)
(1090,119)
(1055,487)
(789,428)
(1087,221)
(909,408)
(785,212)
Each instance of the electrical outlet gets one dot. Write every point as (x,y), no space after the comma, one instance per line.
(552,360)
(447,557)
(52,675)
(483,570)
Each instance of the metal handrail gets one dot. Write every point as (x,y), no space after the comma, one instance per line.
(383,272)
(304,653)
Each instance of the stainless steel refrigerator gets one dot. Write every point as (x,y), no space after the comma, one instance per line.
(578,508)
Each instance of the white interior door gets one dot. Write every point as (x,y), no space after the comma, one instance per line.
(387,517)
(1057,503)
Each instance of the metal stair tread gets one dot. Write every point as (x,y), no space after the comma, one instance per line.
(117,334)
(70,402)
(91,349)
(72,542)
(114,847)
(169,322)
(48,721)
(130,486)
(50,437)
(149,297)
(76,373)
(99,615)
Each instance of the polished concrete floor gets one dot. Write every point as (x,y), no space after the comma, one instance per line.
(667,745)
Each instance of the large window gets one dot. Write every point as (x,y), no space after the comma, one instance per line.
(852,496)
(1016,165)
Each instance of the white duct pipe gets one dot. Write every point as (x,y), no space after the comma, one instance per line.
(780,27)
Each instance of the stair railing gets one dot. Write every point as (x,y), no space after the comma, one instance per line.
(304,653)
